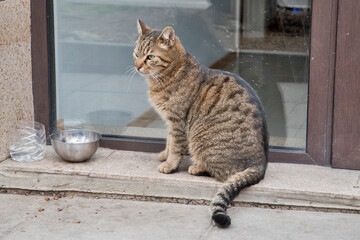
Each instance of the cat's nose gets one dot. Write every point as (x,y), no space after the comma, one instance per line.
(138,66)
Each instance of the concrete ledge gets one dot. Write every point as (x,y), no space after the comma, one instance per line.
(125,173)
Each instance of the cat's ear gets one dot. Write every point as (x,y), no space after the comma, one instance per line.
(142,27)
(167,37)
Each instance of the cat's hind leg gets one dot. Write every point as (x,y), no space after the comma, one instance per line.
(198,170)
(169,166)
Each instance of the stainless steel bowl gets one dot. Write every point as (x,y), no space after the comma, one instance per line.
(75,145)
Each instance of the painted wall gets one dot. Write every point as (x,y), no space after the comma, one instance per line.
(16,99)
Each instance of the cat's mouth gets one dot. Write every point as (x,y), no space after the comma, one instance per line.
(154,75)
(140,71)
(144,73)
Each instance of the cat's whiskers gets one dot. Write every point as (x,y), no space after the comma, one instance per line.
(162,76)
(129,69)
(131,73)
(154,76)
(159,78)
(130,81)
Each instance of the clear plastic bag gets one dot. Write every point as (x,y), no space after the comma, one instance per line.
(27,141)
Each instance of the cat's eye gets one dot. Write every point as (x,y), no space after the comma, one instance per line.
(150,57)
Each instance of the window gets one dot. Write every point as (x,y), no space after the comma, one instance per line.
(265,42)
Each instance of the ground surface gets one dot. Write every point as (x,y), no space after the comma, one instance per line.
(36,217)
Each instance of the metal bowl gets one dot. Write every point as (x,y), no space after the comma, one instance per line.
(75,145)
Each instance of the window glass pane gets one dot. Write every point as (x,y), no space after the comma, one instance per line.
(266,42)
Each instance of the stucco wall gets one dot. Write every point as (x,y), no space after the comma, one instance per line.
(16,99)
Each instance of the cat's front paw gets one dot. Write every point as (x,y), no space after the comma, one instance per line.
(166,167)
(163,156)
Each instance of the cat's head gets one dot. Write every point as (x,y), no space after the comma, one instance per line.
(156,50)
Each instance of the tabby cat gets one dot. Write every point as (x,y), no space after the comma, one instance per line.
(213,114)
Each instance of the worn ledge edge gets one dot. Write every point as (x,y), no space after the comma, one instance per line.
(153,188)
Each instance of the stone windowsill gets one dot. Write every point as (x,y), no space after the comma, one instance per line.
(125,173)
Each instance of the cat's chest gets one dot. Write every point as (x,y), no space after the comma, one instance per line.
(164,102)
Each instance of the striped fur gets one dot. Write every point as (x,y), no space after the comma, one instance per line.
(214,114)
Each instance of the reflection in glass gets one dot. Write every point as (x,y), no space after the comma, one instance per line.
(265,42)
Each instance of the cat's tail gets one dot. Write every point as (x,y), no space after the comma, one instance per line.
(231,189)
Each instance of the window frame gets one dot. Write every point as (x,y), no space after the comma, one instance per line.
(320,90)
